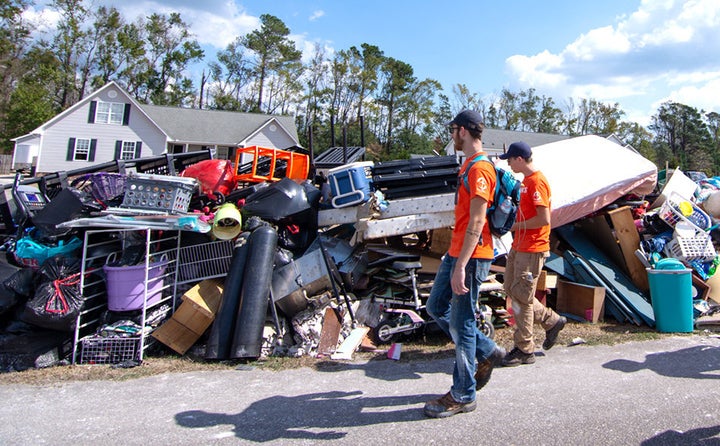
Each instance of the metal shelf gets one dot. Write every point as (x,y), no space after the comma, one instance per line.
(98,245)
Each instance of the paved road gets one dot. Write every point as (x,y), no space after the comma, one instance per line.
(661,392)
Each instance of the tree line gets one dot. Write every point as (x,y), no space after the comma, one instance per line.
(328,95)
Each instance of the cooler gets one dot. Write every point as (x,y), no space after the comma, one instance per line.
(671,295)
(350,184)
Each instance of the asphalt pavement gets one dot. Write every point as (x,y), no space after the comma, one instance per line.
(660,392)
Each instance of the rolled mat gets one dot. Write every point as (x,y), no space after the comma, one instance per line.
(255,294)
(221,331)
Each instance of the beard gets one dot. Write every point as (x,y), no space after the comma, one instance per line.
(458,144)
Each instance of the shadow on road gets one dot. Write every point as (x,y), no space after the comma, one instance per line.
(705,436)
(315,416)
(694,362)
(390,370)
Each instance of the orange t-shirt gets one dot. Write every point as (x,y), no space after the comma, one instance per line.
(535,191)
(481,182)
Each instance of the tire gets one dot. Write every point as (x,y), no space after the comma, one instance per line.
(487,328)
(381,331)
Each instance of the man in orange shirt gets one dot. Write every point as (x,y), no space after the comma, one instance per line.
(455,291)
(530,247)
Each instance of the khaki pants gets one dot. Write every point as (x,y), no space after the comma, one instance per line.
(520,281)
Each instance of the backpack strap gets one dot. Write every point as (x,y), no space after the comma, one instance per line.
(465,175)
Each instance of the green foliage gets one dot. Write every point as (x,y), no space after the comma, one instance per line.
(262,71)
(273,50)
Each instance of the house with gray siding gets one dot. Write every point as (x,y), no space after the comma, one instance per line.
(496,141)
(109,124)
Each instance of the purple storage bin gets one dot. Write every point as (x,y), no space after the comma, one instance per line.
(126,285)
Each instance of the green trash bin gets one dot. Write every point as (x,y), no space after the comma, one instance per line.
(671,294)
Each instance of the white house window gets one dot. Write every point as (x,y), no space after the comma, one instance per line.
(82,150)
(222,153)
(128,150)
(109,113)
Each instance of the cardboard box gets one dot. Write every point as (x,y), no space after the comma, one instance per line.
(199,306)
(440,242)
(193,316)
(581,300)
(176,336)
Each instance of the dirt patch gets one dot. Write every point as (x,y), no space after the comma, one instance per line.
(417,348)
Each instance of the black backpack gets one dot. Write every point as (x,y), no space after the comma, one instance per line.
(502,213)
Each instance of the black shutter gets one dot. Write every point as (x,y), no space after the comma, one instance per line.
(91,114)
(126,115)
(93,147)
(138,149)
(118,149)
(71,149)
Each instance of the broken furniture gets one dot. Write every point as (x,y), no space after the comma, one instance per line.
(269,165)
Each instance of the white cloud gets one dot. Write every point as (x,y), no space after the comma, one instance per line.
(705,96)
(213,22)
(43,21)
(672,42)
(316,15)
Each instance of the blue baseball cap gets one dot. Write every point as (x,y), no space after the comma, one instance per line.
(470,119)
(519,148)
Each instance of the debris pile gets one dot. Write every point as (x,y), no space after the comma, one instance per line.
(240,261)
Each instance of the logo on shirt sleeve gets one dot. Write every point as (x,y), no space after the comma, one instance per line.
(482,184)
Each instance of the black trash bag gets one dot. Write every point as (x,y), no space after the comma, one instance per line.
(8,298)
(57,300)
(22,282)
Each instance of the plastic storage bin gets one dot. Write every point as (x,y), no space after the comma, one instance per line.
(671,295)
(126,285)
(350,184)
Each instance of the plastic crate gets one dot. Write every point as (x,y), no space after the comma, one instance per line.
(111,350)
(671,214)
(689,249)
(158,193)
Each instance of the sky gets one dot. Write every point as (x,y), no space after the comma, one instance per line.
(636,53)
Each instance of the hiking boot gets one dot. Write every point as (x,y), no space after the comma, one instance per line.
(552,334)
(485,368)
(517,357)
(446,406)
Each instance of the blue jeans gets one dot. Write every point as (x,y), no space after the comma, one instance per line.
(455,314)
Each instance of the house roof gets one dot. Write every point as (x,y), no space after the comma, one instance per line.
(212,126)
(191,125)
(499,140)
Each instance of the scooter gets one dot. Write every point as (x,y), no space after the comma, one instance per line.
(405,321)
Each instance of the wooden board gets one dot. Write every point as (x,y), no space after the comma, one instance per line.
(614,279)
(629,240)
(617,236)
(561,266)
(330,333)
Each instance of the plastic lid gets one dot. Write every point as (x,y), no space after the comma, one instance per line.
(669,264)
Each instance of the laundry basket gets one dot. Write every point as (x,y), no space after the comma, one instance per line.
(689,249)
(676,209)
(126,286)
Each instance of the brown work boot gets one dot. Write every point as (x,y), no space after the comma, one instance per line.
(485,368)
(517,357)
(446,406)
(552,334)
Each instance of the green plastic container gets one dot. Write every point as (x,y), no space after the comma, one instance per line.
(671,295)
